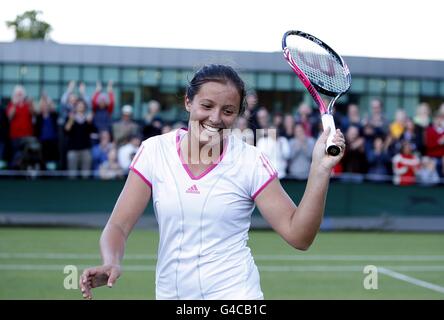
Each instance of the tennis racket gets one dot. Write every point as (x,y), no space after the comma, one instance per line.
(320,69)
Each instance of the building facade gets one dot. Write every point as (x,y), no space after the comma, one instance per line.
(143,74)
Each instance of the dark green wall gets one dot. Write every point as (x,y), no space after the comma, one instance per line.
(95,196)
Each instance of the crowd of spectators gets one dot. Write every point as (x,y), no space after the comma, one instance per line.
(79,135)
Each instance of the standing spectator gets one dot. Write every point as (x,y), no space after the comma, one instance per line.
(301,149)
(46,132)
(103,107)
(308,120)
(79,128)
(354,160)
(398,125)
(353,117)
(378,161)
(19,112)
(288,130)
(152,112)
(251,110)
(4,138)
(377,118)
(263,123)
(427,174)
(434,141)
(242,131)
(276,149)
(405,165)
(125,153)
(414,134)
(422,115)
(125,127)
(69,99)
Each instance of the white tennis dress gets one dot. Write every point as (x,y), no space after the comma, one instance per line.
(204,220)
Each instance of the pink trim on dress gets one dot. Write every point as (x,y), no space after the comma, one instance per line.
(137,156)
(267,167)
(263,186)
(187,169)
(141,176)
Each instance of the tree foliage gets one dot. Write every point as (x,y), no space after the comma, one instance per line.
(29,26)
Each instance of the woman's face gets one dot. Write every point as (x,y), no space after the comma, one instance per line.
(214,108)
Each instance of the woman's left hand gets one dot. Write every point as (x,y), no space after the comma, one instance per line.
(323,160)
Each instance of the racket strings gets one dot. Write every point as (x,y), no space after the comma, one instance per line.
(321,68)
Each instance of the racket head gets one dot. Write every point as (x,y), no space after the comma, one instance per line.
(325,69)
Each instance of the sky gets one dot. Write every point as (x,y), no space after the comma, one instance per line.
(376,28)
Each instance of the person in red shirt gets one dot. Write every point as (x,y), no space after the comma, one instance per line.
(19,112)
(405,165)
(434,141)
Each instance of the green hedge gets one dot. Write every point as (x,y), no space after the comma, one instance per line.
(96,196)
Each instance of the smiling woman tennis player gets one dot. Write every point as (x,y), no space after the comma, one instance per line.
(205,183)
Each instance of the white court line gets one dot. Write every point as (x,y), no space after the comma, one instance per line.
(411,280)
(265,268)
(367,258)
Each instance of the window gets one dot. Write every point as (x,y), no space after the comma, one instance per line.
(411,87)
(168,78)
(392,103)
(249,80)
(283,81)
(358,85)
(30,72)
(71,73)
(429,88)
(265,81)
(91,74)
(410,104)
(11,72)
(53,91)
(7,89)
(51,73)
(130,76)
(185,77)
(110,74)
(394,86)
(376,86)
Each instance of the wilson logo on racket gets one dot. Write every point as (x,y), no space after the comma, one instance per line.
(317,62)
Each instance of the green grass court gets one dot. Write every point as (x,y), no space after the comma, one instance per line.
(411,266)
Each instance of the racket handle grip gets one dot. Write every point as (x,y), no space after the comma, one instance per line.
(328,122)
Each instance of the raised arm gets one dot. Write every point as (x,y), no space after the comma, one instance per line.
(298,225)
(129,207)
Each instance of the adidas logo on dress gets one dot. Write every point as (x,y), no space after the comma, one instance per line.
(193,189)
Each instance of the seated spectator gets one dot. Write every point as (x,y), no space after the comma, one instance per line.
(46,131)
(378,161)
(125,127)
(276,149)
(110,169)
(308,119)
(405,165)
(126,153)
(427,174)
(377,118)
(301,149)
(100,151)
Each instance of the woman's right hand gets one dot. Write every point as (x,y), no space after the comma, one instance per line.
(98,276)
